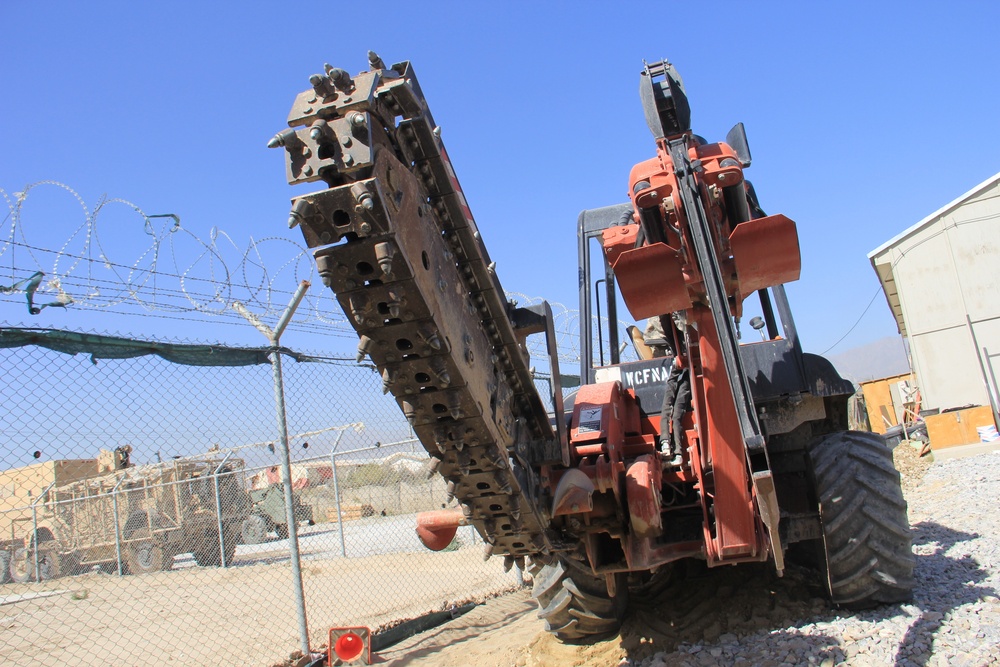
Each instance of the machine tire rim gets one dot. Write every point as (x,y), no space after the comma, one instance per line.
(144,555)
(144,552)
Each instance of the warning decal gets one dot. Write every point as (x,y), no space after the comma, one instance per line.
(590,420)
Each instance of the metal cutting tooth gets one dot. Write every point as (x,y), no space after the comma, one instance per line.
(464,461)
(364,347)
(300,212)
(434,465)
(394,304)
(384,252)
(440,371)
(502,482)
(449,494)
(497,458)
(441,438)
(410,413)
(490,528)
(389,376)
(455,407)
(430,336)
(514,507)
(360,306)
(286,138)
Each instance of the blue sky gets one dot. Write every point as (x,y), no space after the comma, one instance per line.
(862,117)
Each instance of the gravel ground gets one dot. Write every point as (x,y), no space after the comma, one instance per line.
(746,616)
(953,620)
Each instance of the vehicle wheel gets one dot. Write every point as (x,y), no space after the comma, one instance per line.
(867,559)
(111,567)
(22,565)
(574,603)
(282,530)
(69,564)
(4,567)
(232,539)
(253,529)
(145,555)
(209,555)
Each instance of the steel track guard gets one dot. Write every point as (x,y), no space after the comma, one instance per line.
(650,277)
(766,253)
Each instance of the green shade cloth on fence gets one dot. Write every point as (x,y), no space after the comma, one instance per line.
(112,347)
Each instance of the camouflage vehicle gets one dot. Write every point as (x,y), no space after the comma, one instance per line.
(267,514)
(62,517)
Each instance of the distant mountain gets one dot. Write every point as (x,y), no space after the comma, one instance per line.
(882,358)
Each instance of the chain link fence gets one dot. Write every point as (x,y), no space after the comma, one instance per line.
(143,517)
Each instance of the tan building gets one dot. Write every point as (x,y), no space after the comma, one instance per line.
(941,278)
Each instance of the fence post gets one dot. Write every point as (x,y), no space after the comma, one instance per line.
(118,536)
(336,497)
(286,464)
(34,531)
(218,510)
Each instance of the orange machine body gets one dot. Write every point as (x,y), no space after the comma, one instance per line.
(618,499)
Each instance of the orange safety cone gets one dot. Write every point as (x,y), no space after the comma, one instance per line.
(350,646)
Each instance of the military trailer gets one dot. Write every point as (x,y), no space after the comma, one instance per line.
(63,517)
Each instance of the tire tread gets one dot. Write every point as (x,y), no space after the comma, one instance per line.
(866,533)
(574,602)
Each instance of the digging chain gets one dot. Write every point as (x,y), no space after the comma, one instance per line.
(395,240)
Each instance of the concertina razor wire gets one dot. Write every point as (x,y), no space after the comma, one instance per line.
(169,270)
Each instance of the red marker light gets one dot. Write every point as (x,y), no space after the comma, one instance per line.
(350,646)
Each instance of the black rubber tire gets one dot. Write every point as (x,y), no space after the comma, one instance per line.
(69,564)
(4,566)
(867,556)
(209,555)
(574,603)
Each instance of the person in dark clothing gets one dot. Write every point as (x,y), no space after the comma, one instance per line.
(676,403)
